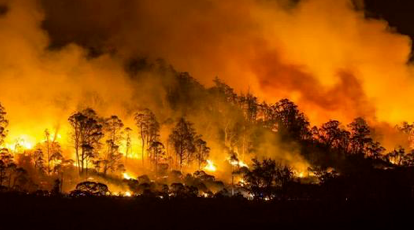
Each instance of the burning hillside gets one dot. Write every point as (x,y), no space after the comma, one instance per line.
(99,103)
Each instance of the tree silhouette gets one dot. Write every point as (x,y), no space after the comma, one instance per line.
(10,173)
(332,135)
(397,156)
(408,159)
(39,161)
(360,136)
(182,139)
(202,151)
(407,129)
(113,127)
(156,150)
(89,188)
(56,156)
(261,179)
(128,142)
(6,159)
(289,120)
(266,176)
(249,105)
(86,136)
(225,91)
(148,129)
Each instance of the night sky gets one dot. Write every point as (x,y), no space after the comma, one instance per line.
(398,13)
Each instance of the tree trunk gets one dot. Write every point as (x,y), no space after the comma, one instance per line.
(77,158)
(142,151)
(48,157)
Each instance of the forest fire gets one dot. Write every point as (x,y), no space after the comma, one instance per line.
(20,142)
(300,174)
(126,176)
(210,166)
(238,163)
(128,194)
(104,134)
(120,100)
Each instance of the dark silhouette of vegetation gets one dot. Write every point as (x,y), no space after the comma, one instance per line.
(182,138)
(148,127)
(267,177)
(89,188)
(113,127)
(87,132)
(259,142)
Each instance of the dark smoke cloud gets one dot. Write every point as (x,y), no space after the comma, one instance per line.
(3,9)
(325,55)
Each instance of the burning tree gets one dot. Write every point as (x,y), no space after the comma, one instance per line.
(249,106)
(39,161)
(289,120)
(332,135)
(148,127)
(128,142)
(156,150)
(182,139)
(397,156)
(86,136)
(360,136)
(48,143)
(6,160)
(10,174)
(202,151)
(114,129)
(56,156)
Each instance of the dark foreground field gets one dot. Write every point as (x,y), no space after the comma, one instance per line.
(30,212)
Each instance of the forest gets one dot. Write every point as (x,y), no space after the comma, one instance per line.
(209,143)
(207,114)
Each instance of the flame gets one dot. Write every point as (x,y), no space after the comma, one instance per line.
(301,173)
(128,194)
(242,164)
(238,163)
(22,142)
(47,88)
(210,166)
(126,176)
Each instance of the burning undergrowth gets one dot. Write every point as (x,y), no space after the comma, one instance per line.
(100,105)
